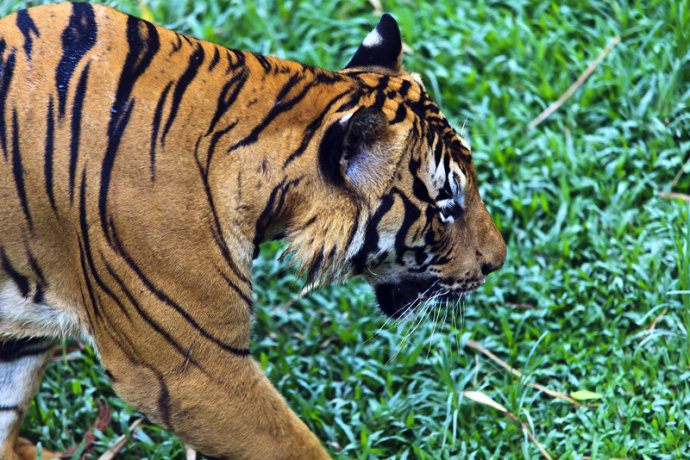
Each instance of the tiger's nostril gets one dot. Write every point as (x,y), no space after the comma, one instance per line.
(488,268)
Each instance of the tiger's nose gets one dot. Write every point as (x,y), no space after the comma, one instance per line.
(490,267)
(494,252)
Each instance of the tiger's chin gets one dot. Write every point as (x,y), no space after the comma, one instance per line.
(401,299)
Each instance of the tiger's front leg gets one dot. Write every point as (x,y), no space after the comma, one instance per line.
(22,364)
(217,401)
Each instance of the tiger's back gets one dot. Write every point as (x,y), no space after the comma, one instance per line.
(142,168)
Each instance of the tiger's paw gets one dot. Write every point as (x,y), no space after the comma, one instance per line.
(25,450)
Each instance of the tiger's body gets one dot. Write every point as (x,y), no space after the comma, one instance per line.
(140,170)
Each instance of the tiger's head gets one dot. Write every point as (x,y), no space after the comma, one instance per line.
(419,229)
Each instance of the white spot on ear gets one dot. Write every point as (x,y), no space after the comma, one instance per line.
(345,119)
(373,39)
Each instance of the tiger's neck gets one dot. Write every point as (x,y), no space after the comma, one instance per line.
(262,166)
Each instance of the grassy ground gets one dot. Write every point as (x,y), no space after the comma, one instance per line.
(595,256)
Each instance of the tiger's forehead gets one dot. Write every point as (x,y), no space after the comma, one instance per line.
(408,91)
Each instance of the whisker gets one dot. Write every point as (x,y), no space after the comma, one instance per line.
(416,320)
(433,329)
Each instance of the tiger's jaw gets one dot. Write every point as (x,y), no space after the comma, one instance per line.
(400,299)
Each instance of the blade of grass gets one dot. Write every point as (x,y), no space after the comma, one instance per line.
(121,441)
(581,79)
(555,394)
(487,401)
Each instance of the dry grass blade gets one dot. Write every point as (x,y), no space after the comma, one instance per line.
(284,308)
(71,354)
(673,195)
(484,399)
(657,319)
(101,423)
(519,306)
(146,11)
(376,4)
(587,457)
(581,79)
(121,441)
(472,344)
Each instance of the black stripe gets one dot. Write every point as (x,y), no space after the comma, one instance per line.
(440,259)
(230,66)
(109,160)
(176,46)
(380,97)
(34,266)
(13,408)
(76,128)
(404,88)
(6,72)
(49,152)
(27,26)
(154,325)
(214,141)
(217,231)
(438,152)
(215,60)
(20,280)
(312,129)
(412,213)
(12,350)
(195,61)
(236,288)
(419,188)
(241,60)
(18,169)
(168,301)
(155,125)
(163,397)
(77,39)
(310,222)
(371,234)
(273,207)
(142,49)
(263,60)
(314,267)
(353,102)
(228,96)
(89,288)
(400,114)
(89,319)
(353,230)
(84,230)
(279,107)
(39,296)
(324,76)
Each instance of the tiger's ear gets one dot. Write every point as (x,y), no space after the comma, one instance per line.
(381,48)
(354,151)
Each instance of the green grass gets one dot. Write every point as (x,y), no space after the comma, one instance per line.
(591,245)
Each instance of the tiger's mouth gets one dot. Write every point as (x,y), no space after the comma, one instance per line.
(398,300)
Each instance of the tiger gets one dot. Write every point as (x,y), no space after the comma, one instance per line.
(141,169)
